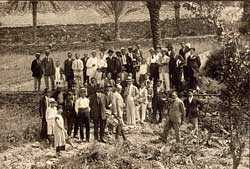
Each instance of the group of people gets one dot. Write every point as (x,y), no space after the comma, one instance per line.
(114,89)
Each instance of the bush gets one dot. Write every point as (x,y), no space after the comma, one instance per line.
(214,65)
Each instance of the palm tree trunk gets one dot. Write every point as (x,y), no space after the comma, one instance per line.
(34,15)
(177,8)
(117,28)
(154,13)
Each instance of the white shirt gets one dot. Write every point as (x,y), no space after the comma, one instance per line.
(164,68)
(102,63)
(154,58)
(81,103)
(77,65)
(58,74)
(92,65)
(124,60)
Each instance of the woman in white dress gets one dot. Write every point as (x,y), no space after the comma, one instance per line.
(59,131)
(143,101)
(131,94)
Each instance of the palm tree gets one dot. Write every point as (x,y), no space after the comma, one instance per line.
(115,10)
(177,8)
(246,13)
(31,5)
(154,13)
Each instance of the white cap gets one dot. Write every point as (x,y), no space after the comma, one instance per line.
(188,45)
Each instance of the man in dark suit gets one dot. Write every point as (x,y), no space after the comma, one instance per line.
(157,103)
(70,114)
(68,71)
(48,70)
(42,110)
(192,110)
(116,67)
(37,72)
(193,65)
(99,115)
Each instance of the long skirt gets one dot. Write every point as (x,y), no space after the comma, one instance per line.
(131,111)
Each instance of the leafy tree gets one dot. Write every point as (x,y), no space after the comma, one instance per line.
(115,10)
(236,95)
(205,9)
(245,17)
(33,5)
(154,7)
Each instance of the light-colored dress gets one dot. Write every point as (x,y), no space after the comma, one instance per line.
(143,102)
(59,131)
(131,95)
(50,119)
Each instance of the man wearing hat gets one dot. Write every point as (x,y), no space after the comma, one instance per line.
(193,106)
(99,114)
(130,60)
(101,67)
(68,71)
(37,72)
(157,104)
(193,66)
(116,66)
(69,108)
(176,116)
(131,94)
(48,70)
(82,109)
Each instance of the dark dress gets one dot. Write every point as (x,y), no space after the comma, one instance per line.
(193,64)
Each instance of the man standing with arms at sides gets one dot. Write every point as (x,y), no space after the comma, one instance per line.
(68,71)
(48,70)
(99,116)
(82,109)
(124,73)
(176,116)
(192,108)
(92,65)
(77,67)
(193,65)
(37,72)
(84,61)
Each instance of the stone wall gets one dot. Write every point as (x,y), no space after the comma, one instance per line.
(61,34)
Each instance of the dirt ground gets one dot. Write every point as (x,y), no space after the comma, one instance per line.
(143,150)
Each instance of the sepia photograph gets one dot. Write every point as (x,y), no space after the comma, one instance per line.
(116,84)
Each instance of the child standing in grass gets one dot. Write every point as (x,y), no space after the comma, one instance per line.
(59,131)
(50,118)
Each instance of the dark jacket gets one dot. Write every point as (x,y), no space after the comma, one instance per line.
(68,71)
(192,108)
(129,65)
(36,68)
(48,66)
(116,65)
(193,65)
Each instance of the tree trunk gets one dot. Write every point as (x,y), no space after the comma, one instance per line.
(154,13)
(117,28)
(177,8)
(246,11)
(34,15)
